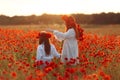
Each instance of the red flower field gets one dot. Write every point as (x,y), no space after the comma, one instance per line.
(99,58)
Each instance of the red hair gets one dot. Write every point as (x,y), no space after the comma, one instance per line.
(71,23)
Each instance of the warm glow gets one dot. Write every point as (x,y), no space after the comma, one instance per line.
(38,7)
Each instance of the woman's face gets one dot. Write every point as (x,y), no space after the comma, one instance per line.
(67,25)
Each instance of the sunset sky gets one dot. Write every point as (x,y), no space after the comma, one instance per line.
(38,7)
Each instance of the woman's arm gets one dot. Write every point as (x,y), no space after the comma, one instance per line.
(62,36)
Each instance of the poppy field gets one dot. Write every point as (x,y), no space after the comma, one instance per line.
(99,56)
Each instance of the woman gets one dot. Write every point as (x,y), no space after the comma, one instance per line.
(71,36)
(45,50)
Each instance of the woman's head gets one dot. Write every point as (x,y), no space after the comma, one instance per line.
(44,39)
(69,21)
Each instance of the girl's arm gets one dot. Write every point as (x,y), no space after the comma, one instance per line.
(55,52)
(47,58)
(41,57)
(39,54)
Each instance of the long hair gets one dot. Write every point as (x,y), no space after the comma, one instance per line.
(71,23)
(44,40)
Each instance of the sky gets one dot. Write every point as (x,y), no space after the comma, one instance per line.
(38,7)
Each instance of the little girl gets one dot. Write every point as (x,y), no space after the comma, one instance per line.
(45,50)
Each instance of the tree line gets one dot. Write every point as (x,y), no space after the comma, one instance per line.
(101,18)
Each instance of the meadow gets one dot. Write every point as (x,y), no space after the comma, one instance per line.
(99,54)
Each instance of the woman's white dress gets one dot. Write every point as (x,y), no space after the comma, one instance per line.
(70,45)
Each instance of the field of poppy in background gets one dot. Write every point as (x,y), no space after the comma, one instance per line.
(99,54)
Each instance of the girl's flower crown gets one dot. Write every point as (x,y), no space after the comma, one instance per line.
(44,34)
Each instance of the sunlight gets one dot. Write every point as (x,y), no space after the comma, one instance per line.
(25,7)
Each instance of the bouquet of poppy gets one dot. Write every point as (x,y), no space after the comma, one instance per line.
(80,32)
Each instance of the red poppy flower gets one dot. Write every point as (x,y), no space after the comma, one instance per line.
(13,74)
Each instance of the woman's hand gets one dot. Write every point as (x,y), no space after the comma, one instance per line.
(49,30)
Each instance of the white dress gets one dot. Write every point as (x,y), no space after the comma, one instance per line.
(70,45)
(41,54)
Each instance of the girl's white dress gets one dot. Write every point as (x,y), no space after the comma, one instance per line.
(70,45)
(41,54)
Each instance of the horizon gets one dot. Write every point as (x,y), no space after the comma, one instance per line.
(57,7)
(59,14)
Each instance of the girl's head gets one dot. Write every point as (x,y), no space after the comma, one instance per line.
(44,39)
(43,36)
